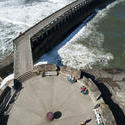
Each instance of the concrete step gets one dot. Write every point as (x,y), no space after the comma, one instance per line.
(25,76)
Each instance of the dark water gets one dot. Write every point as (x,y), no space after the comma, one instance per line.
(108,36)
(113,28)
(115,37)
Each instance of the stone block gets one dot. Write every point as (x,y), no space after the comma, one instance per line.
(106,114)
(118,77)
(47,67)
(93,89)
(71,71)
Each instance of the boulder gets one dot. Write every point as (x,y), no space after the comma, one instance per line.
(46,67)
(71,71)
(106,115)
(93,89)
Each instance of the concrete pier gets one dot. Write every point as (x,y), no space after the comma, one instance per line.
(51,94)
(22,57)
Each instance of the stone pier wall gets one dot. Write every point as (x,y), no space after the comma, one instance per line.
(58,28)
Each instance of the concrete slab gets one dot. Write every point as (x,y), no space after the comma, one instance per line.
(23,57)
(50,94)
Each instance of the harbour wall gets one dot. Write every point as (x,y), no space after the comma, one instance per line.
(52,30)
(57,29)
(104,111)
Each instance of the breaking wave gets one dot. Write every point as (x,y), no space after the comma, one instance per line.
(18,15)
(84,47)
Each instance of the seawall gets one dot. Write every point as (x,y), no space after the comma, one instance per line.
(95,94)
(52,30)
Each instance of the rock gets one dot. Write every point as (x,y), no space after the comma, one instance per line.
(46,67)
(93,89)
(119,77)
(109,81)
(6,66)
(1,79)
(114,81)
(106,115)
(71,71)
(95,93)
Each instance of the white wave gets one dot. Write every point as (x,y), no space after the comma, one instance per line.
(3,20)
(5,80)
(18,15)
(31,13)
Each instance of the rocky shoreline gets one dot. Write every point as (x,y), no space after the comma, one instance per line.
(111,83)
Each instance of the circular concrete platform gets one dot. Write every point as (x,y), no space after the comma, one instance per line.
(41,95)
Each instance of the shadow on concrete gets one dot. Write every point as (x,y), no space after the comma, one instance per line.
(3,119)
(17,85)
(57,115)
(4,116)
(106,94)
(89,120)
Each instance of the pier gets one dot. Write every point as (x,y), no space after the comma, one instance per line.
(22,57)
(39,90)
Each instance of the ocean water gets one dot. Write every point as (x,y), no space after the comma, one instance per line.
(19,15)
(98,42)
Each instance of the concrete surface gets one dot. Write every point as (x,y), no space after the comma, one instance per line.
(23,57)
(50,94)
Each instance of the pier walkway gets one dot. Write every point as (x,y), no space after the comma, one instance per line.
(22,57)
